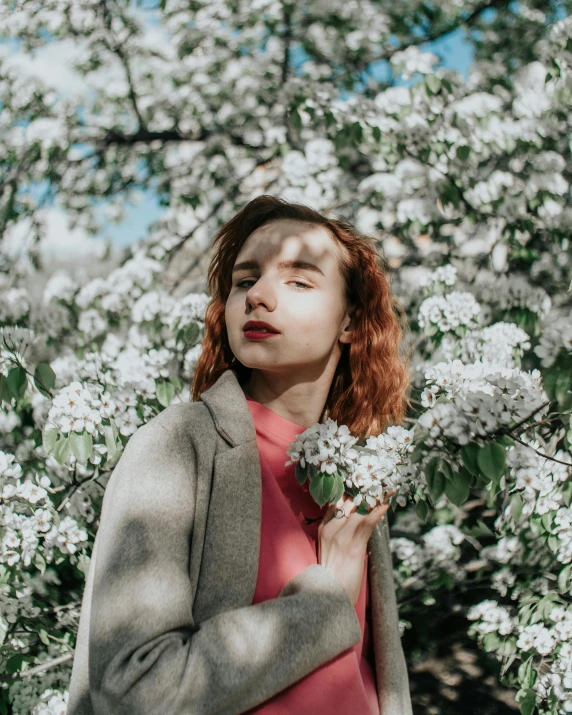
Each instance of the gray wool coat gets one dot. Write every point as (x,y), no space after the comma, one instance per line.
(167,624)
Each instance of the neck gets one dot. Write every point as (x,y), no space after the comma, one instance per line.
(298,401)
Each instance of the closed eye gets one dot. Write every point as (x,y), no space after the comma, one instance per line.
(249,280)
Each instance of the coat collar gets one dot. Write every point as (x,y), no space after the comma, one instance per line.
(229,409)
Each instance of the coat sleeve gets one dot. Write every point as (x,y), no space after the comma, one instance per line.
(146,655)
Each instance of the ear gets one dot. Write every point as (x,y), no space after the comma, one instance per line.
(350,319)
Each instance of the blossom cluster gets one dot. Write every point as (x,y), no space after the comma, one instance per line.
(455,312)
(514,291)
(78,407)
(368,472)
(437,281)
(550,636)
(419,562)
(502,342)
(28,515)
(556,337)
(468,401)
(384,465)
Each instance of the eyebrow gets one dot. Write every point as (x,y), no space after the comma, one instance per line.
(283,264)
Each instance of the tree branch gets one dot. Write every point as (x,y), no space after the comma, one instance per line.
(451,27)
(118,50)
(38,669)
(540,454)
(416,41)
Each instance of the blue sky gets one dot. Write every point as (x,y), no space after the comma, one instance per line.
(455,52)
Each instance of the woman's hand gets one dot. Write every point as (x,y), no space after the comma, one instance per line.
(342,543)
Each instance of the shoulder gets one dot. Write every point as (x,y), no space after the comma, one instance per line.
(172,446)
(182,425)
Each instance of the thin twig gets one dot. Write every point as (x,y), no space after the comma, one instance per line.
(540,454)
(38,669)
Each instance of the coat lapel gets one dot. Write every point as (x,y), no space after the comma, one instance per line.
(390,665)
(231,548)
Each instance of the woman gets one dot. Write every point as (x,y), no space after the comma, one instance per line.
(216,584)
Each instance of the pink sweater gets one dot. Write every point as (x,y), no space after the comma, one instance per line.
(346,684)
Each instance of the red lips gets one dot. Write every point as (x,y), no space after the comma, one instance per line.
(254,324)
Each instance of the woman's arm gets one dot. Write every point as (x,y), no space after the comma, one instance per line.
(146,655)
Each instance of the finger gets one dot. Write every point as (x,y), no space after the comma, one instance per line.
(377,512)
(346,503)
(330,511)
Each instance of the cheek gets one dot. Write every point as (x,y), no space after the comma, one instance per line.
(229,317)
(312,318)
(230,308)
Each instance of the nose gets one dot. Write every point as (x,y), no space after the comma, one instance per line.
(261,293)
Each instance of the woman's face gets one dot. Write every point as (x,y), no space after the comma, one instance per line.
(307,306)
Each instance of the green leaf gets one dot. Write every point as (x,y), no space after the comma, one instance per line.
(5,394)
(422,509)
(469,454)
(44,636)
(417,454)
(83,563)
(527,674)
(528,703)
(14,664)
(177,383)
(296,120)
(546,521)
(339,487)
(301,475)
(17,381)
(111,441)
(463,152)
(564,578)
(567,495)
(446,469)
(507,664)
(363,508)
(45,374)
(39,562)
(491,459)
(562,386)
(481,529)
(457,489)
(505,440)
(49,437)
(566,402)
(321,488)
(61,449)
(546,608)
(81,445)
(165,393)
(491,642)
(482,482)
(190,334)
(516,506)
(311,469)
(448,86)
(433,83)
(435,479)
(549,383)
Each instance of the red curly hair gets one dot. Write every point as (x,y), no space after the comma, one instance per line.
(369,388)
